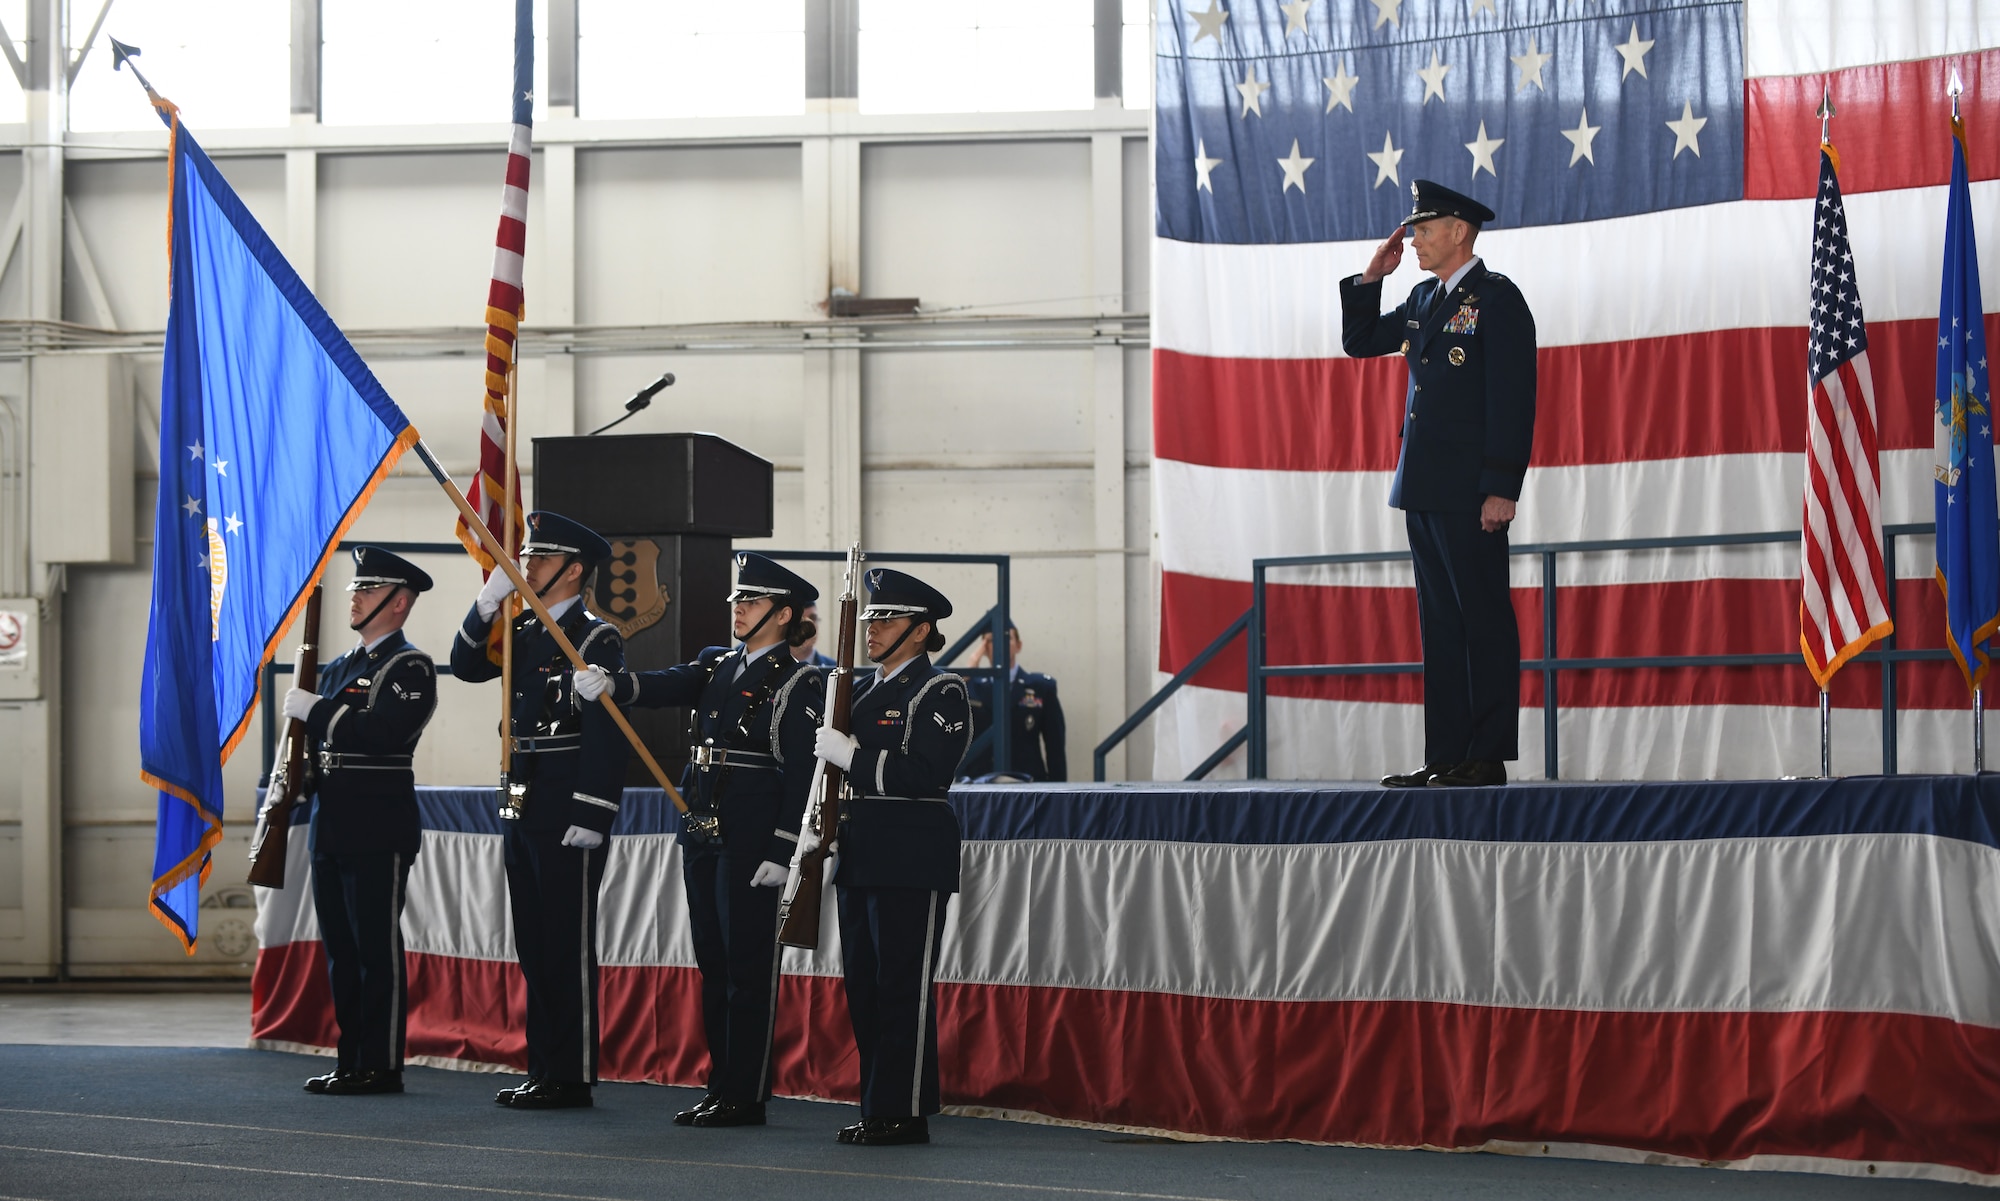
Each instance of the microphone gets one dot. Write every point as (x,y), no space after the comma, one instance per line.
(639,401)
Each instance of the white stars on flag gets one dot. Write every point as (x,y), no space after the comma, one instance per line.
(1580,140)
(1385,11)
(1203,165)
(1253,93)
(1482,152)
(195,451)
(1209,23)
(1686,129)
(1530,66)
(193,506)
(1433,77)
(234,523)
(1340,87)
(222,467)
(1633,51)
(1385,161)
(1295,16)
(1295,170)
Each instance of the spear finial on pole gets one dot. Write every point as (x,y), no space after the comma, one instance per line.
(1954,89)
(1826,117)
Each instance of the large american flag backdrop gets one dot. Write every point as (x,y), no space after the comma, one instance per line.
(1653,164)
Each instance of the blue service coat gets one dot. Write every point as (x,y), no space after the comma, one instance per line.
(575,764)
(1038,735)
(361,737)
(898,830)
(1469,409)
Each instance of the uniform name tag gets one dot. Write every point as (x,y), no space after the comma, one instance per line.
(1465,321)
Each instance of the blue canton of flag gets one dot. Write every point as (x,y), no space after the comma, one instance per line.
(1307,121)
(272,435)
(1968,528)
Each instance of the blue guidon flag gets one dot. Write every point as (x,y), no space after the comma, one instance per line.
(273,433)
(1968,529)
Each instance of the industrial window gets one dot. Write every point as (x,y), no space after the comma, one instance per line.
(930,56)
(225,63)
(394,62)
(682,58)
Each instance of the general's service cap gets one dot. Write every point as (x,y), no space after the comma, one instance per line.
(1432,200)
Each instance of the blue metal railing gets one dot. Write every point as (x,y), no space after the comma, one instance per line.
(1251,625)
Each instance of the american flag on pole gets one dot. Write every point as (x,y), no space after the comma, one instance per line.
(503,308)
(1843,598)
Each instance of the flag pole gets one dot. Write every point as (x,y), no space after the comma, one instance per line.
(1825,697)
(508,607)
(1978,731)
(541,611)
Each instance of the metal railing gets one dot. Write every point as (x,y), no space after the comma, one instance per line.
(1251,626)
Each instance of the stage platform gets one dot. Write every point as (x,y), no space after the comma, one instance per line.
(1778,974)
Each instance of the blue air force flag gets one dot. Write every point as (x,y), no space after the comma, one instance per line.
(1968,528)
(272,435)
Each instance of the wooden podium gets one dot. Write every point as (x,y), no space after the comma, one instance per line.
(670,505)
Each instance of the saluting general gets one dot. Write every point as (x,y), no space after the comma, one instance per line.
(756,709)
(898,842)
(571,757)
(363,726)
(1468,430)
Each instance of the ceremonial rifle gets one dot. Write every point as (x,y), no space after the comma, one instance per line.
(288,778)
(799,915)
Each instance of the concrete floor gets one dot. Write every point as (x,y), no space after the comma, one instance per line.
(140,1096)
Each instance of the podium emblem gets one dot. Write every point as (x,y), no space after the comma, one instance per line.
(629,590)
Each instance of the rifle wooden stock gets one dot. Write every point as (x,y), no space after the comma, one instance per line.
(269,844)
(801,911)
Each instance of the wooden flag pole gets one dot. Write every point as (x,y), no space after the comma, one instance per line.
(534,602)
(510,493)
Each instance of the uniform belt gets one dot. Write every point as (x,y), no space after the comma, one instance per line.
(334,761)
(709,757)
(549,743)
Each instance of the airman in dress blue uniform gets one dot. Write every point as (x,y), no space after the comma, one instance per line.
(363,724)
(1038,738)
(1468,431)
(569,763)
(756,712)
(898,853)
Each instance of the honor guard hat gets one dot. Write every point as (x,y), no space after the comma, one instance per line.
(554,534)
(894,594)
(1432,200)
(374,567)
(760,575)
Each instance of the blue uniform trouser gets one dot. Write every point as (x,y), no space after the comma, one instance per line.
(552,891)
(735,929)
(889,941)
(358,898)
(1472,644)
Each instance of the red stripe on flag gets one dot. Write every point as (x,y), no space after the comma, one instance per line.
(517,171)
(1322,624)
(513,235)
(1891,123)
(1727,392)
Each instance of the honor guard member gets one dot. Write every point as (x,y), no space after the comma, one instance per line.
(1038,738)
(898,853)
(750,770)
(1468,430)
(567,780)
(363,725)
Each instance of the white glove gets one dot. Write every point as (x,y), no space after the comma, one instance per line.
(809,842)
(835,747)
(299,703)
(769,875)
(499,586)
(592,682)
(582,839)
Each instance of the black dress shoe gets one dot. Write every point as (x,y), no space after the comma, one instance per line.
(892,1132)
(687,1116)
(364,1084)
(318,1083)
(1415,779)
(506,1095)
(731,1113)
(1476,773)
(847,1134)
(553,1094)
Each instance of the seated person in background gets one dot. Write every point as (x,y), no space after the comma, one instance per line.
(807,652)
(1037,731)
